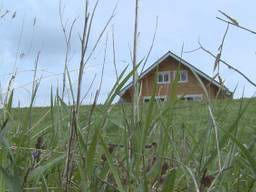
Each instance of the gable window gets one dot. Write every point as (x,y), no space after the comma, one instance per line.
(183,76)
(163,77)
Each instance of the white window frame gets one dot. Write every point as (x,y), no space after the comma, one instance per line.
(163,73)
(194,96)
(157,98)
(180,73)
(146,98)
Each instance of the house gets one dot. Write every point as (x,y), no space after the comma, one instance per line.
(164,71)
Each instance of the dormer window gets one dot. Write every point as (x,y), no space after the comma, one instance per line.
(183,76)
(163,77)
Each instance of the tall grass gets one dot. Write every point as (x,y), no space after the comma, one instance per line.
(170,146)
(174,148)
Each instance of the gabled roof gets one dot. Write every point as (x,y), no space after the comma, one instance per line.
(182,61)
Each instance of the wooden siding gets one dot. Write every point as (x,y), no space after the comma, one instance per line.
(192,87)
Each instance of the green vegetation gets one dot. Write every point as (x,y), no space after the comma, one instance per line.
(173,148)
(170,146)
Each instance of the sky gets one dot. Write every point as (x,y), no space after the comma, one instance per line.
(31,26)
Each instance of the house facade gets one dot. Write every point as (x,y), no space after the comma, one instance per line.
(164,72)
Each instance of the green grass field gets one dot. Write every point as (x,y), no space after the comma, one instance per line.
(174,147)
(171,146)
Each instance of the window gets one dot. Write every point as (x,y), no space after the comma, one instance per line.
(160,98)
(191,97)
(146,99)
(163,77)
(183,76)
(157,99)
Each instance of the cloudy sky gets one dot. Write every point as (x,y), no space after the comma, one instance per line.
(29,26)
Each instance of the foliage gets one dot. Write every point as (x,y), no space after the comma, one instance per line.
(178,151)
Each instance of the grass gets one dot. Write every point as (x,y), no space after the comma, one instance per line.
(170,146)
(179,152)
